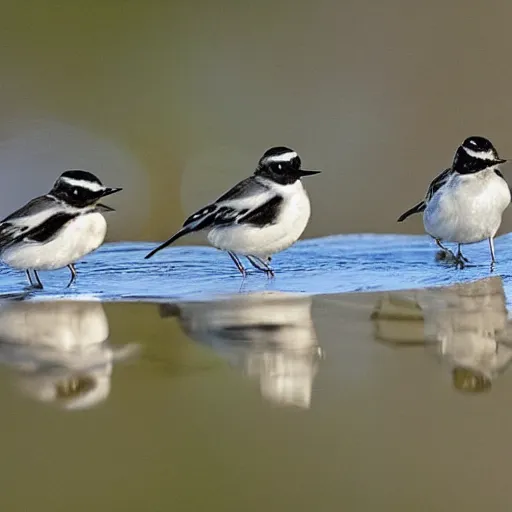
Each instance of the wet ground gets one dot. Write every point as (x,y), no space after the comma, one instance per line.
(175,384)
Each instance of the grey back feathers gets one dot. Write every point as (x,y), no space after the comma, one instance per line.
(239,205)
(37,206)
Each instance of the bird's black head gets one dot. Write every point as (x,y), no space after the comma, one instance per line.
(80,188)
(475,154)
(282,165)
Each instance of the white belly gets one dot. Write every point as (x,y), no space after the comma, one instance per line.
(468,209)
(247,239)
(79,237)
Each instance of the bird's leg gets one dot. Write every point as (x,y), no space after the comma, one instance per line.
(460,255)
(442,247)
(491,247)
(266,263)
(261,265)
(237,262)
(29,278)
(256,265)
(459,259)
(72,269)
(38,281)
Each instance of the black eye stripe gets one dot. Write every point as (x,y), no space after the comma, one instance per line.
(74,194)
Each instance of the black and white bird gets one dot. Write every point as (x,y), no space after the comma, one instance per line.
(55,230)
(260,216)
(465,203)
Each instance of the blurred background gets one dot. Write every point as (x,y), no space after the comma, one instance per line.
(175,101)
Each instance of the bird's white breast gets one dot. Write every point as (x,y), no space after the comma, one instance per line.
(468,208)
(263,241)
(77,238)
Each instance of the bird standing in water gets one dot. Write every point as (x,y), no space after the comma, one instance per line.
(260,216)
(465,203)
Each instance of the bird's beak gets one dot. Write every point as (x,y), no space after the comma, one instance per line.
(303,172)
(103,208)
(501,161)
(109,191)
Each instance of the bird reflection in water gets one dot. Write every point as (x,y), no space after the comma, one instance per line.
(270,336)
(467,322)
(60,351)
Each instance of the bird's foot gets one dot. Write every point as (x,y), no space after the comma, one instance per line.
(460,264)
(270,273)
(461,260)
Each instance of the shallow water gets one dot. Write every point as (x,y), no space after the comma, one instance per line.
(325,265)
(266,400)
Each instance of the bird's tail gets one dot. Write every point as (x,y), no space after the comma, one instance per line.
(420,207)
(198,221)
(182,232)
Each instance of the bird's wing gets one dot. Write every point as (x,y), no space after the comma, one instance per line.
(245,203)
(234,207)
(37,220)
(245,190)
(438,182)
(265,214)
(43,205)
(48,229)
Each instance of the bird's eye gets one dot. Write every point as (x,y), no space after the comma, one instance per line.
(75,191)
(280,167)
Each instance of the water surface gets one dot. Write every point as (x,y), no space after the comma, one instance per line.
(287,396)
(335,264)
